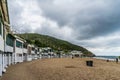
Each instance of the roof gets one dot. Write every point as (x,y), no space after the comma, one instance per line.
(19,38)
(11,35)
(76,52)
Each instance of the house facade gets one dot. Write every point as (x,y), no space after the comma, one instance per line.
(76,53)
(18,48)
(29,56)
(25,51)
(9,50)
(4,29)
(33,52)
(1,42)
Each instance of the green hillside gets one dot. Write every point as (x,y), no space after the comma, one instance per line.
(48,41)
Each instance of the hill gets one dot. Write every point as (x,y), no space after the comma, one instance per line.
(57,44)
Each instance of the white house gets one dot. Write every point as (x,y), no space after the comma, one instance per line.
(46,52)
(25,51)
(40,53)
(29,50)
(4,25)
(1,44)
(76,53)
(18,49)
(9,50)
(37,53)
(33,52)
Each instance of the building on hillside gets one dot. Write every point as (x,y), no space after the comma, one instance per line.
(46,52)
(4,28)
(50,52)
(76,53)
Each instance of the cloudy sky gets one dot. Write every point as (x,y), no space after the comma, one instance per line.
(93,24)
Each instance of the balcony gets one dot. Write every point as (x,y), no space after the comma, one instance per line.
(1,44)
(18,50)
(32,52)
(25,50)
(38,52)
(8,48)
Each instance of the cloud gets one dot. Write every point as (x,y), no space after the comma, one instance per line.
(92,24)
(89,18)
(105,45)
(31,19)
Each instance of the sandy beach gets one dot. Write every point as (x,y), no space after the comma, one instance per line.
(63,69)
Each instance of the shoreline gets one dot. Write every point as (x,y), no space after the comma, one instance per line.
(102,58)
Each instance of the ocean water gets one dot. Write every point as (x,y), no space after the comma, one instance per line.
(106,57)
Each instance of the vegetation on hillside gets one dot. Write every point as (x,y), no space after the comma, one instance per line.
(48,41)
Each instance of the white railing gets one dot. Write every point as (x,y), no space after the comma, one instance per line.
(38,52)
(32,52)
(25,50)
(19,50)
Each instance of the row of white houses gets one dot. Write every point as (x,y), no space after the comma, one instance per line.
(17,50)
(13,49)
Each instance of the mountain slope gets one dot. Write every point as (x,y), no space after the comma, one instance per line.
(48,41)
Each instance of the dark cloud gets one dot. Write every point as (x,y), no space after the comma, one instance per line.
(87,19)
(91,19)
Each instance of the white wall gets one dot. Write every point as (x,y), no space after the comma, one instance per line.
(19,59)
(1,64)
(1,43)
(19,50)
(8,48)
(32,52)
(25,50)
(1,39)
(29,58)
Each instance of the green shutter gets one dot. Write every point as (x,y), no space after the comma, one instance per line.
(9,40)
(0,23)
(18,44)
(0,26)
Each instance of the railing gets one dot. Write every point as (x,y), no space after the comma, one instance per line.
(18,50)
(25,50)
(32,52)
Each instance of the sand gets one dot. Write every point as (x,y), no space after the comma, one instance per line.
(63,69)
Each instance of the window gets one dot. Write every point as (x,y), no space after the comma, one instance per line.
(18,44)
(10,40)
(0,26)
(0,23)
(33,48)
(25,46)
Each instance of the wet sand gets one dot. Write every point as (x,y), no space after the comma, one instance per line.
(63,69)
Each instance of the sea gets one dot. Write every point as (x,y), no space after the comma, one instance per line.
(112,58)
